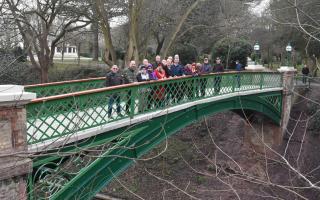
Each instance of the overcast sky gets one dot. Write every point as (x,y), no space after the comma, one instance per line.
(259,8)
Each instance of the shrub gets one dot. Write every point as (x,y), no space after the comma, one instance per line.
(15,72)
(187,53)
(232,49)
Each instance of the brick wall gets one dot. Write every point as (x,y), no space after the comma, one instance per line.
(13,189)
(12,129)
(287,98)
(13,168)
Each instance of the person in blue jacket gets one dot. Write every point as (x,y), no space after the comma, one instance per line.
(206,68)
(176,89)
(238,76)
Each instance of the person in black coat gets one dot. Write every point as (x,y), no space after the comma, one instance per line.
(217,68)
(206,68)
(305,73)
(114,78)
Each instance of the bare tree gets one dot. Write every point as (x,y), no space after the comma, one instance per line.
(106,10)
(42,24)
(300,22)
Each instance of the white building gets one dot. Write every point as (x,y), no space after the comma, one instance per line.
(70,51)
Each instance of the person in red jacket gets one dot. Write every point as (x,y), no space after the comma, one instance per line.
(160,93)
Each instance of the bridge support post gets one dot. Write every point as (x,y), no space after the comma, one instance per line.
(287,96)
(13,142)
(261,131)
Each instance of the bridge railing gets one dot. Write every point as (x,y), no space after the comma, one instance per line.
(64,115)
(65,87)
(302,81)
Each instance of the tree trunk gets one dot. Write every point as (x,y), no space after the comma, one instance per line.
(62,52)
(159,46)
(44,75)
(174,34)
(105,27)
(79,49)
(133,50)
(95,41)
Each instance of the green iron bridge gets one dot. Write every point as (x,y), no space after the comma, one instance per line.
(68,119)
(78,147)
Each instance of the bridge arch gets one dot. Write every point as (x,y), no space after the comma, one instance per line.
(146,135)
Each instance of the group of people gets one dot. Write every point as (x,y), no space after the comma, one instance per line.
(159,70)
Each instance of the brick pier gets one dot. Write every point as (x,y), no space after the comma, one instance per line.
(14,165)
(262,131)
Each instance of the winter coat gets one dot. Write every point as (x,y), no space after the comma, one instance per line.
(193,72)
(160,91)
(142,78)
(129,75)
(152,75)
(156,64)
(206,68)
(177,70)
(167,70)
(305,71)
(218,68)
(113,79)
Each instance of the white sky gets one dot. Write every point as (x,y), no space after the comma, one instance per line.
(116,21)
(257,9)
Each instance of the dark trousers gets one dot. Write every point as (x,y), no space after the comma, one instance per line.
(114,98)
(304,78)
(217,84)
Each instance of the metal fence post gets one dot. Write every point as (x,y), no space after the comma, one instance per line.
(133,96)
(261,80)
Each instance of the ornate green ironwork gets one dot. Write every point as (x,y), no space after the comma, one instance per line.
(128,144)
(274,101)
(65,87)
(54,117)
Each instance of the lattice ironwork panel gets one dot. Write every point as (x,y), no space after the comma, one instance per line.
(53,119)
(274,101)
(271,81)
(57,117)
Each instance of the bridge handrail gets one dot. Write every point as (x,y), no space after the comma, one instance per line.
(302,80)
(64,87)
(93,90)
(57,116)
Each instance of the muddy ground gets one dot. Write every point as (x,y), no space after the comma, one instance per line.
(211,160)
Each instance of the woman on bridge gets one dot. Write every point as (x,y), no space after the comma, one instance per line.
(160,92)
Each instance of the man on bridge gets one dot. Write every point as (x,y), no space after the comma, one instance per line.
(114,78)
